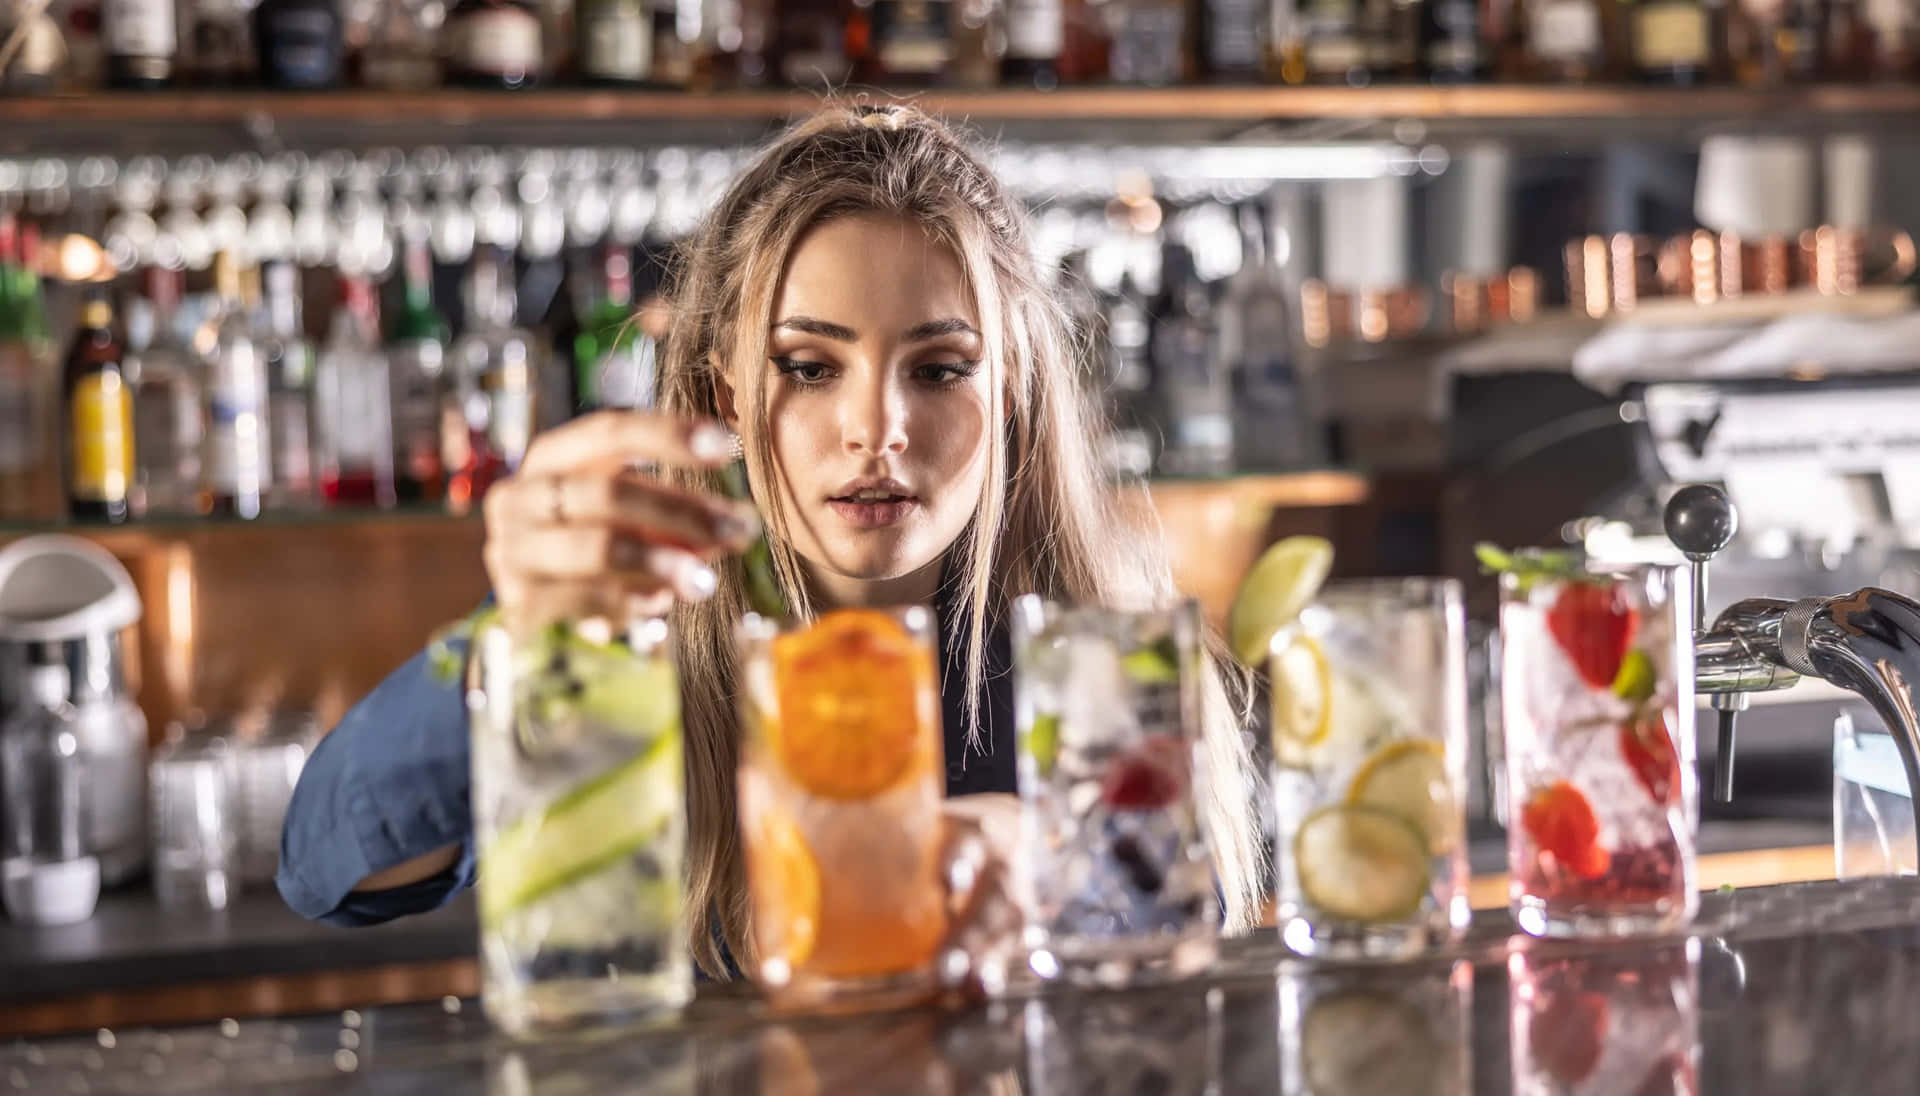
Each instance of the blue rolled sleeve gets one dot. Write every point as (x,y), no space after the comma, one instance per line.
(390,783)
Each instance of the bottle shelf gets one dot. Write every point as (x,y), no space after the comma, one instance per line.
(1209,112)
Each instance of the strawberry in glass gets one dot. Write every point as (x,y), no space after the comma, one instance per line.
(1597,666)
(1107,715)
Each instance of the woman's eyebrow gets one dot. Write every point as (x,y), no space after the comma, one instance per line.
(920,332)
(807,325)
(934,329)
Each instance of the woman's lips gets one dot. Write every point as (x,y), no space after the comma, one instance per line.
(873,514)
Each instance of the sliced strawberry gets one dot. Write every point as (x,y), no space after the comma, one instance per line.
(1594,624)
(1648,747)
(1147,779)
(1561,822)
(1567,1032)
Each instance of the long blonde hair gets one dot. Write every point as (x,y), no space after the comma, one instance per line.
(1047,522)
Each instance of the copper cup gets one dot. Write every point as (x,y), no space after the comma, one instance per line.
(1409,307)
(1690,266)
(1326,314)
(1610,273)
(1587,278)
(1468,301)
(1375,324)
(1522,292)
(1837,260)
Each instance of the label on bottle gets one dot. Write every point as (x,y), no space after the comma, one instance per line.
(1566,30)
(1036,30)
(235,456)
(1233,35)
(303,47)
(616,41)
(139,28)
(497,41)
(912,37)
(1147,45)
(100,418)
(1333,46)
(1670,34)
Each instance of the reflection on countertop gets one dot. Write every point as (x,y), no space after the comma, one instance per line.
(1790,989)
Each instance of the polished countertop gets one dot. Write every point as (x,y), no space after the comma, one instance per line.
(1799,988)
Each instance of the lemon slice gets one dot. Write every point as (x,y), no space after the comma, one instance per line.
(606,684)
(1281,583)
(1361,863)
(1409,778)
(1302,683)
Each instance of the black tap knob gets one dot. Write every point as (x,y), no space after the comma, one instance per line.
(1701,520)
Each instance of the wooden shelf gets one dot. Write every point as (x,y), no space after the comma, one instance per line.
(1195,111)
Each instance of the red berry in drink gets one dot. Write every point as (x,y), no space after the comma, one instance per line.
(1595,625)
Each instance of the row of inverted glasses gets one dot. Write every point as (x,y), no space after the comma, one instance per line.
(1369,729)
(841,774)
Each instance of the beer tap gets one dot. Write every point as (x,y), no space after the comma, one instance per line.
(1867,641)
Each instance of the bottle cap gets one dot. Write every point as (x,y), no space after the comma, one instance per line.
(49,685)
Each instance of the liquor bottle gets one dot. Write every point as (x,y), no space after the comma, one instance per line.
(614,359)
(729,40)
(494,377)
(912,41)
(1195,389)
(1129,449)
(1845,42)
(613,41)
(1561,41)
(353,446)
(1149,41)
(99,421)
(167,403)
(1332,50)
(809,47)
(289,357)
(140,41)
(218,47)
(1232,40)
(493,44)
(1036,40)
(672,52)
(417,369)
(979,37)
(22,423)
(1272,431)
(400,52)
(1896,39)
(1774,42)
(1086,42)
(1671,41)
(301,43)
(1452,50)
(40,58)
(235,458)
(1390,40)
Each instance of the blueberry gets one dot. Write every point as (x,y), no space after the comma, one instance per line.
(1142,872)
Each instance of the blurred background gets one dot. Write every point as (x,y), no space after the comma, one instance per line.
(286,285)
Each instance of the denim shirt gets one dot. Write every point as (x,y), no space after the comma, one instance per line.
(390,784)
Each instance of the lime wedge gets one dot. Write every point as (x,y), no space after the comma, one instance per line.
(1043,741)
(1637,677)
(1281,583)
(601,822)
(1158,664)
(1361,863)
(1409,778)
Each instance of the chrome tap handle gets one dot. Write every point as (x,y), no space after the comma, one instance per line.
(1700,521)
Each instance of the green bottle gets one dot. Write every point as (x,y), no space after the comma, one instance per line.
(613,359)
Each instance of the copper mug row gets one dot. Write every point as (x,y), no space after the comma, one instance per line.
(1476,303)
(1330,314)
(1614,273)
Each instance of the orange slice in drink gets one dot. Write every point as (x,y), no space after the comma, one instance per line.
(854,705)
(786,888)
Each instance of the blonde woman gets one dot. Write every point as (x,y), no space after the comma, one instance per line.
(862,311)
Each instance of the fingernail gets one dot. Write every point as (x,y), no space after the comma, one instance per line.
(711,442)
(626,555)
(698,581)
(737,526)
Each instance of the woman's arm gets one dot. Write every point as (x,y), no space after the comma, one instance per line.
(379,825)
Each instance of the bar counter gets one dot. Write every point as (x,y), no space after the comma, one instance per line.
(1796,988)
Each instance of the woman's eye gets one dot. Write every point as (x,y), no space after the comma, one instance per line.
(947,372)
(806,372)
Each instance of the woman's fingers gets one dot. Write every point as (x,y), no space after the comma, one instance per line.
(532,604)
(629,502)
(599,553)
(622,437)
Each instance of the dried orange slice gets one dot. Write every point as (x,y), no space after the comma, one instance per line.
(854,705)
(785,886)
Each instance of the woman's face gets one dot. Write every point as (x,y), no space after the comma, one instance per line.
(877,403)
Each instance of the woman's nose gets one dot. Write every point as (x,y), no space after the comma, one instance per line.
(873,421)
